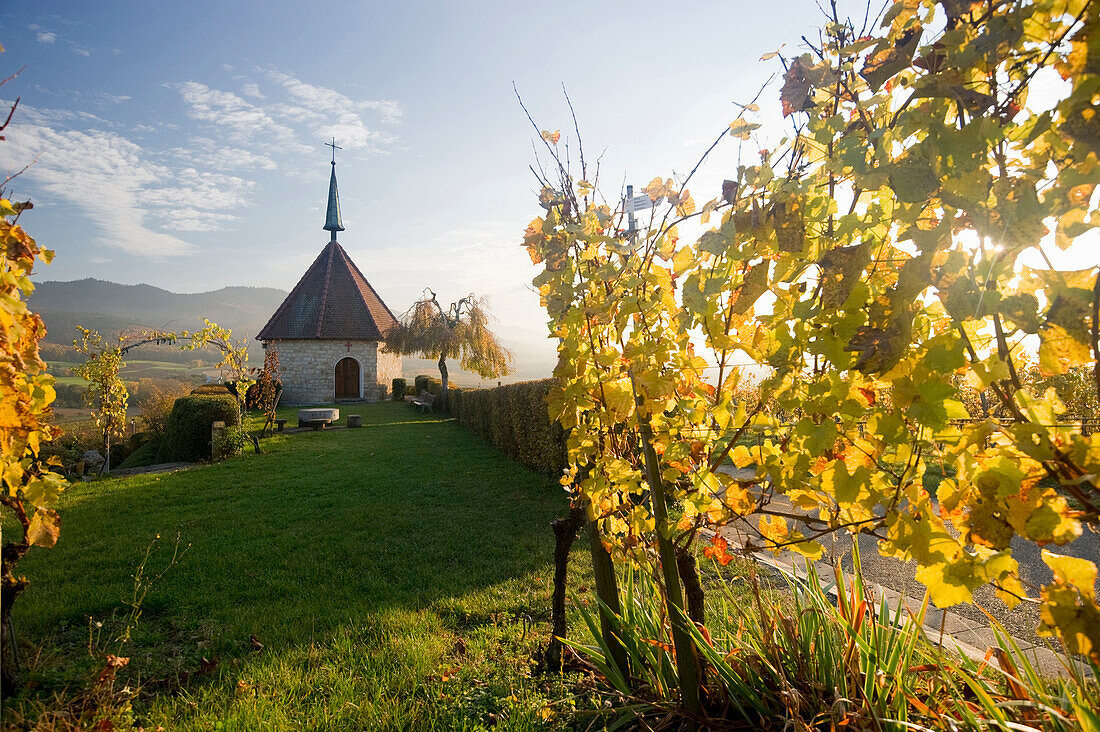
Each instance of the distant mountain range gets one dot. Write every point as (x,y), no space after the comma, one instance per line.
(109,308)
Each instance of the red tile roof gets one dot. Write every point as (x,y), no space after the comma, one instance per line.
(333,300)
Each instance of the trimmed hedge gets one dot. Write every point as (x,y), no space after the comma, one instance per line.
(211,390)
(429,384)
(515,419)
(400,386)
(187,435)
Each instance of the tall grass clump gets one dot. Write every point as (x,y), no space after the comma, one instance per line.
(825,655)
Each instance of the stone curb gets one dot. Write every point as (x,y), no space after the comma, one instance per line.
(942,627)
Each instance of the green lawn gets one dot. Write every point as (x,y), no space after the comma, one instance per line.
(398,576)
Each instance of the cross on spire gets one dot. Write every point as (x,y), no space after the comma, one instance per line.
(334,147)
(332,216)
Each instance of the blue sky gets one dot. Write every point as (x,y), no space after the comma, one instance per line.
(181,144)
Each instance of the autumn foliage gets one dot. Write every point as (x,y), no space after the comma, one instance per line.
(893,252)
(29,489)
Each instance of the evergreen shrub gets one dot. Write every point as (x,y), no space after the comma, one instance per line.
(211,390)
(400,386)
(515,419)
(144,455)
(187,437)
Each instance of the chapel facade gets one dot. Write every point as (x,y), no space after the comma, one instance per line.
(329,331)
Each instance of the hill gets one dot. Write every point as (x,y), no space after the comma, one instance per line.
(110,307)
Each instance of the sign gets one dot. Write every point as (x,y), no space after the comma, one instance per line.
(639,203)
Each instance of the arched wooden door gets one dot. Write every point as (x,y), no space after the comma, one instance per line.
(347,379)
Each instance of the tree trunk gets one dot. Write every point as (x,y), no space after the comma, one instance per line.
(10,587)
(607,589)
(565,533)
(443,379)
(693,590)
(686,667)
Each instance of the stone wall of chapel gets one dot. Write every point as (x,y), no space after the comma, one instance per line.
(308,369)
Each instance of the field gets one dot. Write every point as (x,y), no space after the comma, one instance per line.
(137,369)
(396,575)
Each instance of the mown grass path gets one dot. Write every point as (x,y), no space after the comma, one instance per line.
(390,572)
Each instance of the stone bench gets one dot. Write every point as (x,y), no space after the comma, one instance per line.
(324,416)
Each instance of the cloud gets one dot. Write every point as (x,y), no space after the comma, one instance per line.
(80,50)
(185,219)
(252,90)
(242,120)
(132,201)
(328,113)
(47,38)
(104,98)
(205,153)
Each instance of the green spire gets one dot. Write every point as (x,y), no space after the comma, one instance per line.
(332,217)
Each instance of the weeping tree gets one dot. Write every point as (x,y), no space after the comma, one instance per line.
(429,330)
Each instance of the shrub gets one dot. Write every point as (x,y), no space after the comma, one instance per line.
(157,404)
(431,385)
(231,441)
(515,419)
(211,390)
(144,455)
(187,437)
(399,388)
(253,398)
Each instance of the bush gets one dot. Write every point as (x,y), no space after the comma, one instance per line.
(515,419)
(230,442)
(211,390)
(144,455)
(156,405)
(400,386)
(431,385)
(187,436)
(252,397)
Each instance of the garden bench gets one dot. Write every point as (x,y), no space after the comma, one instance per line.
(279,424)
(425,401)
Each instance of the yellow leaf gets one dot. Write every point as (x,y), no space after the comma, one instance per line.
(1080,573)
(44,529)
(619,396)
(551,137)
(741,129)
(656,189)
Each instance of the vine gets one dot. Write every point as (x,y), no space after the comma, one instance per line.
(888,233)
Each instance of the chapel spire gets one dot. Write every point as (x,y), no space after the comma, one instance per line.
(332,217)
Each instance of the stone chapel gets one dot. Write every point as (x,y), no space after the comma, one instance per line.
(329,330)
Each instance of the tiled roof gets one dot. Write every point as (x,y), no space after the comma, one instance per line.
(333,300)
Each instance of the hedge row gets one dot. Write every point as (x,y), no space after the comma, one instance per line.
(515,419)
(428,384)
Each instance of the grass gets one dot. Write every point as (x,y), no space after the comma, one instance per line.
(397,576)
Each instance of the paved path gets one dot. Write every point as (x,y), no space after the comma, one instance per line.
(966,624)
